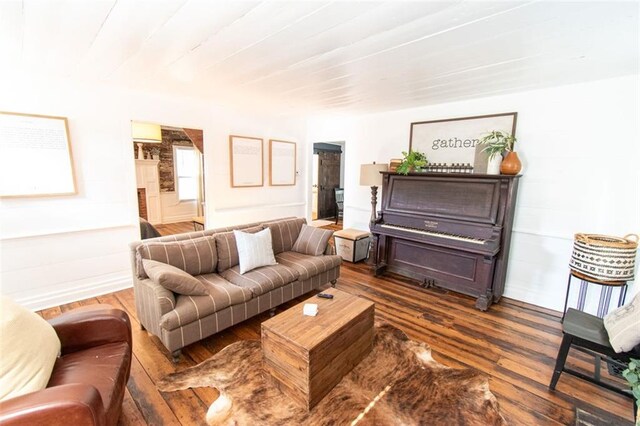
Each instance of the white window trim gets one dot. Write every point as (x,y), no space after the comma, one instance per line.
(176,179)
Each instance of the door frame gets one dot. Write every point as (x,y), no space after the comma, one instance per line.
(309,188)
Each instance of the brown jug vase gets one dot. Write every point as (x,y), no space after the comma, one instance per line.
(511,164)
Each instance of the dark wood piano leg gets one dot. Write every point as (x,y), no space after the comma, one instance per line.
(484,301)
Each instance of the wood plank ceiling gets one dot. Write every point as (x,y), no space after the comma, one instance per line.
(352,56)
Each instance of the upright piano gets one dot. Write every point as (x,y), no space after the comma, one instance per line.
(448,230)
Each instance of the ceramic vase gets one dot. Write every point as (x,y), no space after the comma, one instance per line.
(493,166)
(511,164)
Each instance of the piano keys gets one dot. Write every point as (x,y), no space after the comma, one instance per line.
(451,231)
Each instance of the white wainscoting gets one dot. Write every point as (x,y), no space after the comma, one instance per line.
(174,210)
(43,271)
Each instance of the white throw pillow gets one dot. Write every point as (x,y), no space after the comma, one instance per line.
(623,326)
(254,250)
(29,347)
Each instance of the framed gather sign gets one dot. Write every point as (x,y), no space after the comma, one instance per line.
(282,163)
(35,156)
(246,161)
(456,140)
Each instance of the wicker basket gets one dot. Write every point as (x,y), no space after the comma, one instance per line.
(604,258)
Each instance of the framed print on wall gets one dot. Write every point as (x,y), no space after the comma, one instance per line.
(455,140)
(35,156)
(246,161)
(282,163)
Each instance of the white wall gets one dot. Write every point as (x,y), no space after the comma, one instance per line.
(226,205)
(580,151)
(174,210)
(59,249)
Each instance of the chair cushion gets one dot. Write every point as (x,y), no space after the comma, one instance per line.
(196,256)
(308,266)
(261,280)
(312,240)
(221,295)
(227,248)
(285,233)
(623,326)
(173,279)
(585,326)
(254,250)
(104,367)
(28,350)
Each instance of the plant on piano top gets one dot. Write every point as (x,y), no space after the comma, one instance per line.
(412,160)
(497,142)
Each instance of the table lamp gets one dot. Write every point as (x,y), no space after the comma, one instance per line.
(145,133)
(370,176)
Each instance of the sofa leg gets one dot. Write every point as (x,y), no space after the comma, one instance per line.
(175,356)
(333,283)
(272,312)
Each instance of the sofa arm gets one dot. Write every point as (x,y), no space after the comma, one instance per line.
(72,404)
(90,326)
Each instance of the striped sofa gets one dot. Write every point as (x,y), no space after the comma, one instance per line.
(211,256)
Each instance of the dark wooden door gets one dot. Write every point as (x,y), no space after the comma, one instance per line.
(328,180)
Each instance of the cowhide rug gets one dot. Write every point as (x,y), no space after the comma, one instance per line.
(398,383)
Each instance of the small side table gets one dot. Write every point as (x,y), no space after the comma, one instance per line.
(605,293)
(198,221)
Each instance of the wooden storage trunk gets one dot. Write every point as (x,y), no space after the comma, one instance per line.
(307,356)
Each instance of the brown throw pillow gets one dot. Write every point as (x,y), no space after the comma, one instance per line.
(312,241)
(173,279)
(284,233)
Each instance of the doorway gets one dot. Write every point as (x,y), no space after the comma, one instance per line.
(169,178)
(327,176)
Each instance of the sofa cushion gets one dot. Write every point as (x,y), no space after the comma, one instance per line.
(173,279)
(196,256)
(99,366)
(28,350)
(261,280)
(284,233)
(312,240)
(227,247)
(254,250)
(222,294)
(623,326)
(308,266)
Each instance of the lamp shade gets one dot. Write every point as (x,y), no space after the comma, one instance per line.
(146,132)
(370,174)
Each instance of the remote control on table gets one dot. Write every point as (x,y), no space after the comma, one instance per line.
(325,295)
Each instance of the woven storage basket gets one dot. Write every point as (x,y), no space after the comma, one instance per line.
(604,258)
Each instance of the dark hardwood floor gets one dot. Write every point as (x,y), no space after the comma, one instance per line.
(175,228)
(514,344)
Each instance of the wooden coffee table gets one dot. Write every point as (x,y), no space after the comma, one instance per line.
(307,356)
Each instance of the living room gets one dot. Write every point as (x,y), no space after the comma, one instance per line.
(571,75)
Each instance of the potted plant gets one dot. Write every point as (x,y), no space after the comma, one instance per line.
(497,143)
(412,161)
(155,153)
(632,374)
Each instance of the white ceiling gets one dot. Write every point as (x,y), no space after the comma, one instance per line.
(323,55)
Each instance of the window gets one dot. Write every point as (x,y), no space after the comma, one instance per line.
(186,169)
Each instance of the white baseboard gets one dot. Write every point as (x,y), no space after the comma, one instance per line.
(67,295)
(180,218)
(533,296)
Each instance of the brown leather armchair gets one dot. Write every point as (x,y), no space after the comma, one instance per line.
(88,381)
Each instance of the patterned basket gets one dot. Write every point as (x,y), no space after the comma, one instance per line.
(604,258)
